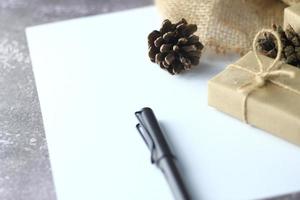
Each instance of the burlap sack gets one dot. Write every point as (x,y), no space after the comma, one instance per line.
(225,25)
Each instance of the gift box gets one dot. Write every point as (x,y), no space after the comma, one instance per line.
(269,100)
(292,17)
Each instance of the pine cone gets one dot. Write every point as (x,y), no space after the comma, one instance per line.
(290,45)
(174,47)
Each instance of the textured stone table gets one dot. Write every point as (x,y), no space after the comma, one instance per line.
(25,172)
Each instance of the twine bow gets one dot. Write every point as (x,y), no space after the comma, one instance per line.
(265,74)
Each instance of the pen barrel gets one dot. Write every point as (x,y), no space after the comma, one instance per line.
(161,154)
(169,167)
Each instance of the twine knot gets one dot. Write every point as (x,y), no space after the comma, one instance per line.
(261,79)
(264,74)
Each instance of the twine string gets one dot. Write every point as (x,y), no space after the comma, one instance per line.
(264,74)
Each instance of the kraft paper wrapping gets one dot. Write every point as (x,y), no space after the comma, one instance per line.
(291,2)
(292,17)
(271,108)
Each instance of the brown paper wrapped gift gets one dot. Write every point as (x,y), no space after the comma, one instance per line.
(292,17)
(272,104)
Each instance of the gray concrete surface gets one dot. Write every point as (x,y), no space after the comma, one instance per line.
(25,172)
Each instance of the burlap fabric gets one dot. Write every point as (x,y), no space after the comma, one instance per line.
(226,25)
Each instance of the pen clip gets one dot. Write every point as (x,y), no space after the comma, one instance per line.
(146,136)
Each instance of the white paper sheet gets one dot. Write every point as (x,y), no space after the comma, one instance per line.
(93,73)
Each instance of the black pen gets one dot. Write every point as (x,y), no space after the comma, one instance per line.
(161,154)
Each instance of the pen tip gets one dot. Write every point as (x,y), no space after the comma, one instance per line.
(147,108)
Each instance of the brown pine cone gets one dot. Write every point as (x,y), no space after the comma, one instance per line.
(290,45)
(175,47)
